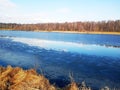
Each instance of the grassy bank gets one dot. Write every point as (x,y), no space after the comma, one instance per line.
(112,33)
(15,78)
(18,79)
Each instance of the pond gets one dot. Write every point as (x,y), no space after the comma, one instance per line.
(90,57)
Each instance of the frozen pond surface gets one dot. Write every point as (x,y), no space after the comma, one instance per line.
(93,58)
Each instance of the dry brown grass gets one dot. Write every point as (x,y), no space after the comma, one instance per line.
(19,79)
(72,86)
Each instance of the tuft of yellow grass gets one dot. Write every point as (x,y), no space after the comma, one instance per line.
(18,79)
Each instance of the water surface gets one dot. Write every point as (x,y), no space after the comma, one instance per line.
(93,58)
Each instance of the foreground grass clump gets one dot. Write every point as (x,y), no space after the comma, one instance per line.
(18,79)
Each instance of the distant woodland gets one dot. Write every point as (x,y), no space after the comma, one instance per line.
(102,26)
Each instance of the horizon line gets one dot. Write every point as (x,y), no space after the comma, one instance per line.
(61,22)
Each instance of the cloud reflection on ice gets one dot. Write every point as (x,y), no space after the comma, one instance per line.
(71,47)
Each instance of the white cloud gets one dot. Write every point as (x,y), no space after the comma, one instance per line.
(6,4)
(11,12)
(24,18)
(7,8)
(63,10)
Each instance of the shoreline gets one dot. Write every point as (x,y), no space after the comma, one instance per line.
(77,32)
(16,78)
(72,32)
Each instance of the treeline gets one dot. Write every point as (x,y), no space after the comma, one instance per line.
(102,26)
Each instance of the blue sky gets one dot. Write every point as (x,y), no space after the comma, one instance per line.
(37,11)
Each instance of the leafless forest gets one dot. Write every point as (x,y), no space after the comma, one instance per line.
(102,26)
